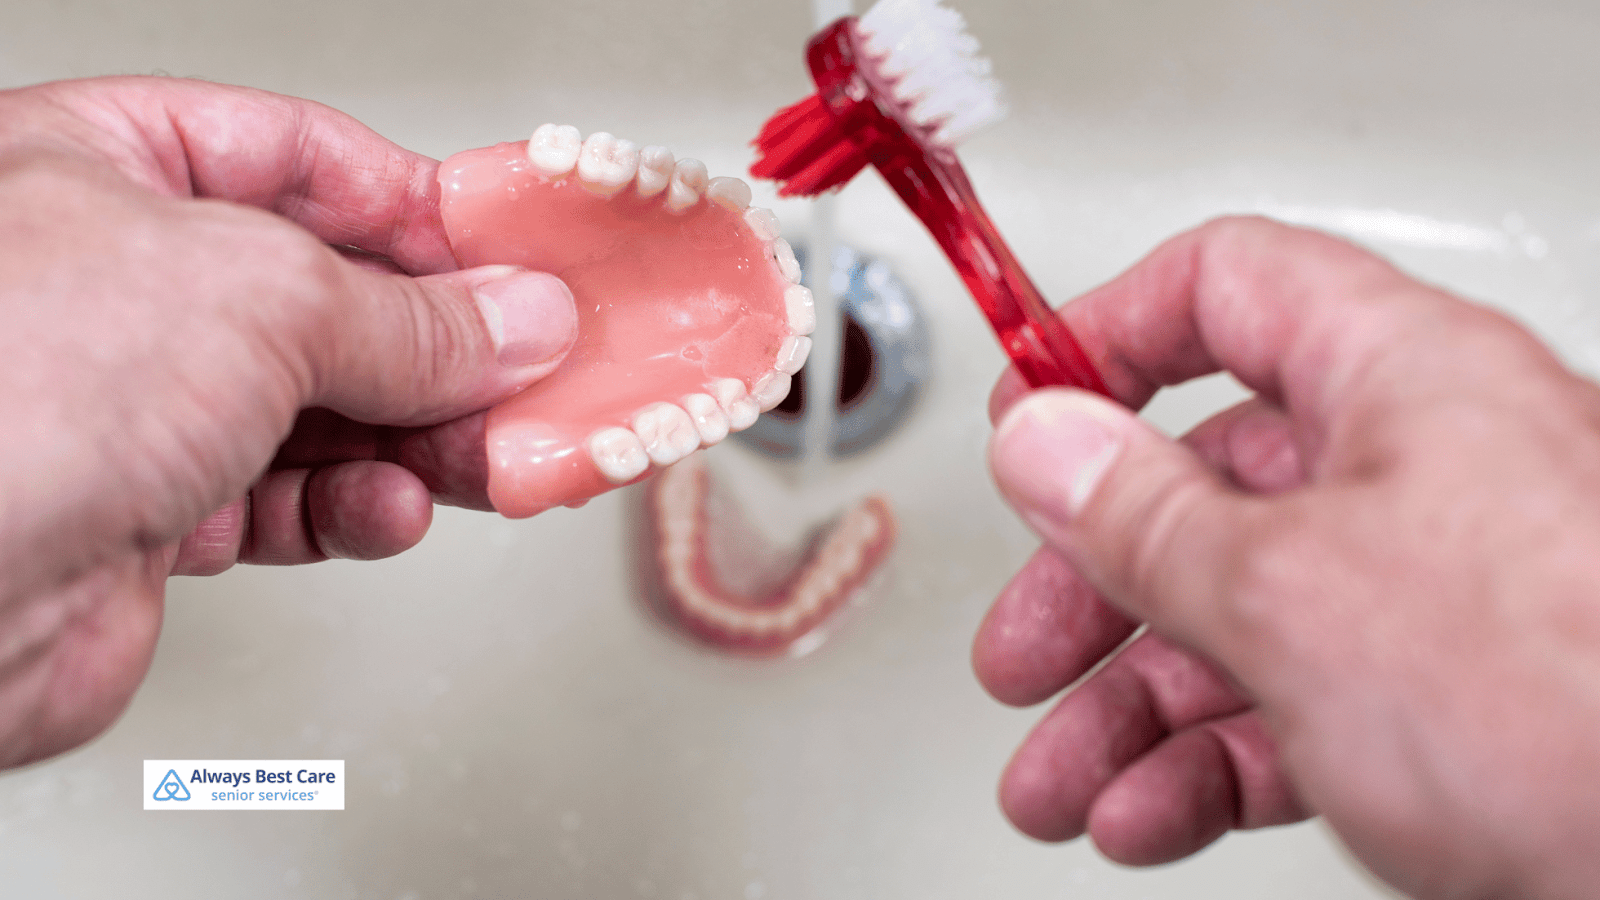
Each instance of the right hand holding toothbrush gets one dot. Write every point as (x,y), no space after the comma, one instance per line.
(1373,589)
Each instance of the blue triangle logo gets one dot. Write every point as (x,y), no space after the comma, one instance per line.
(171,787)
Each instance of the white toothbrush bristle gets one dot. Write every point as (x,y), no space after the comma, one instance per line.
(938,73)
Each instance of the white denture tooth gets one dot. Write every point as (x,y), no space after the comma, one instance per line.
(708,418)
(828,581)
(743,413)
(655,171)
(806,602)
(800,308)
(789,619)
(554,149)
(674,545)
(861,530)
(764,223)
(792,355)
(727,391)
(788,264)
(770,390)
(689,180)
(667,432)
(735,401)
(607,164)
(696,599)
(618,454)
(729,192)
(847,557)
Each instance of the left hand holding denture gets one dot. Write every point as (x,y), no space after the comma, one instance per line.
(235,332)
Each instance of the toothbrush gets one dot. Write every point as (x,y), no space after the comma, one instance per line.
(900,87)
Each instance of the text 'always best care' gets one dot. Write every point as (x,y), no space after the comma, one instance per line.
(177,784)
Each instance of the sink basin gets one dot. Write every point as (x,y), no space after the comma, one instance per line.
(513,722)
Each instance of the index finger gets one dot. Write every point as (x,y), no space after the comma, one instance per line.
(305,161)
(1294,314)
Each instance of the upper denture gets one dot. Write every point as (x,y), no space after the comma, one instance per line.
(690,318)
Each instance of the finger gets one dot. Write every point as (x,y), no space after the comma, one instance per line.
(213,546)
(355,510)
(1144,694)
(321,436)
(300,159)
(417,351)
(366,510)
(1191,789)
(1047,628)
(372,262)
(1296,315)
(450,458)
(1143,519)
(1007,391)
(277,532)
(1251,445)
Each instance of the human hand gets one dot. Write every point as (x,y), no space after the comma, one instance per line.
(1373,589)
(196,376)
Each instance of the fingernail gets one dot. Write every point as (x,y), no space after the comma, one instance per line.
(1052,450)
(530,316)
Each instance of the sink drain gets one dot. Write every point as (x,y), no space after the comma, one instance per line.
(883,363)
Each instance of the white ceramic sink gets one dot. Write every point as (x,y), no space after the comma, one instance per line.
(513,725)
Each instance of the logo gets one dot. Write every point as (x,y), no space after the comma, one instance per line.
(171,788)
(198,784)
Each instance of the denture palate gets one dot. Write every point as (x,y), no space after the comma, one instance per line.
(691,318)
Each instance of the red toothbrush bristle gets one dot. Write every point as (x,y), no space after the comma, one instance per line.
(804,149)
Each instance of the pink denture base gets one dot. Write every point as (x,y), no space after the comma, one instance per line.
(668,303)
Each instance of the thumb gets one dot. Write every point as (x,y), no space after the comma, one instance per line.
(417,351)
(1154,530)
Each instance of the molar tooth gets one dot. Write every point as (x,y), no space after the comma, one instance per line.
(689,180)
(667,432)
(729,192)
(708,417)
(655,171)
(606,164)
(800,308)
(554,149)
(736,402)
(770,390)
(618,454)
(743,413)
(788,265)
(792,355)
(764,222)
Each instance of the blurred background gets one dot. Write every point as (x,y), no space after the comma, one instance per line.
(514,723)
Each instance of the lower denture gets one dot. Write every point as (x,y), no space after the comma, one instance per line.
(785,615)
(690,316)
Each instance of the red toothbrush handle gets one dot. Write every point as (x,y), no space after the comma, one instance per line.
(933,185)
(1041,346)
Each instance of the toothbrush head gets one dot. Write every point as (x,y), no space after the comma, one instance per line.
(933,66)
(901,82)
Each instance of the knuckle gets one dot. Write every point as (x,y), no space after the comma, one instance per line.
(428,343)
(437,332)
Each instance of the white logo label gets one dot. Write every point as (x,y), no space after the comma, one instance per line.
(243,784)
